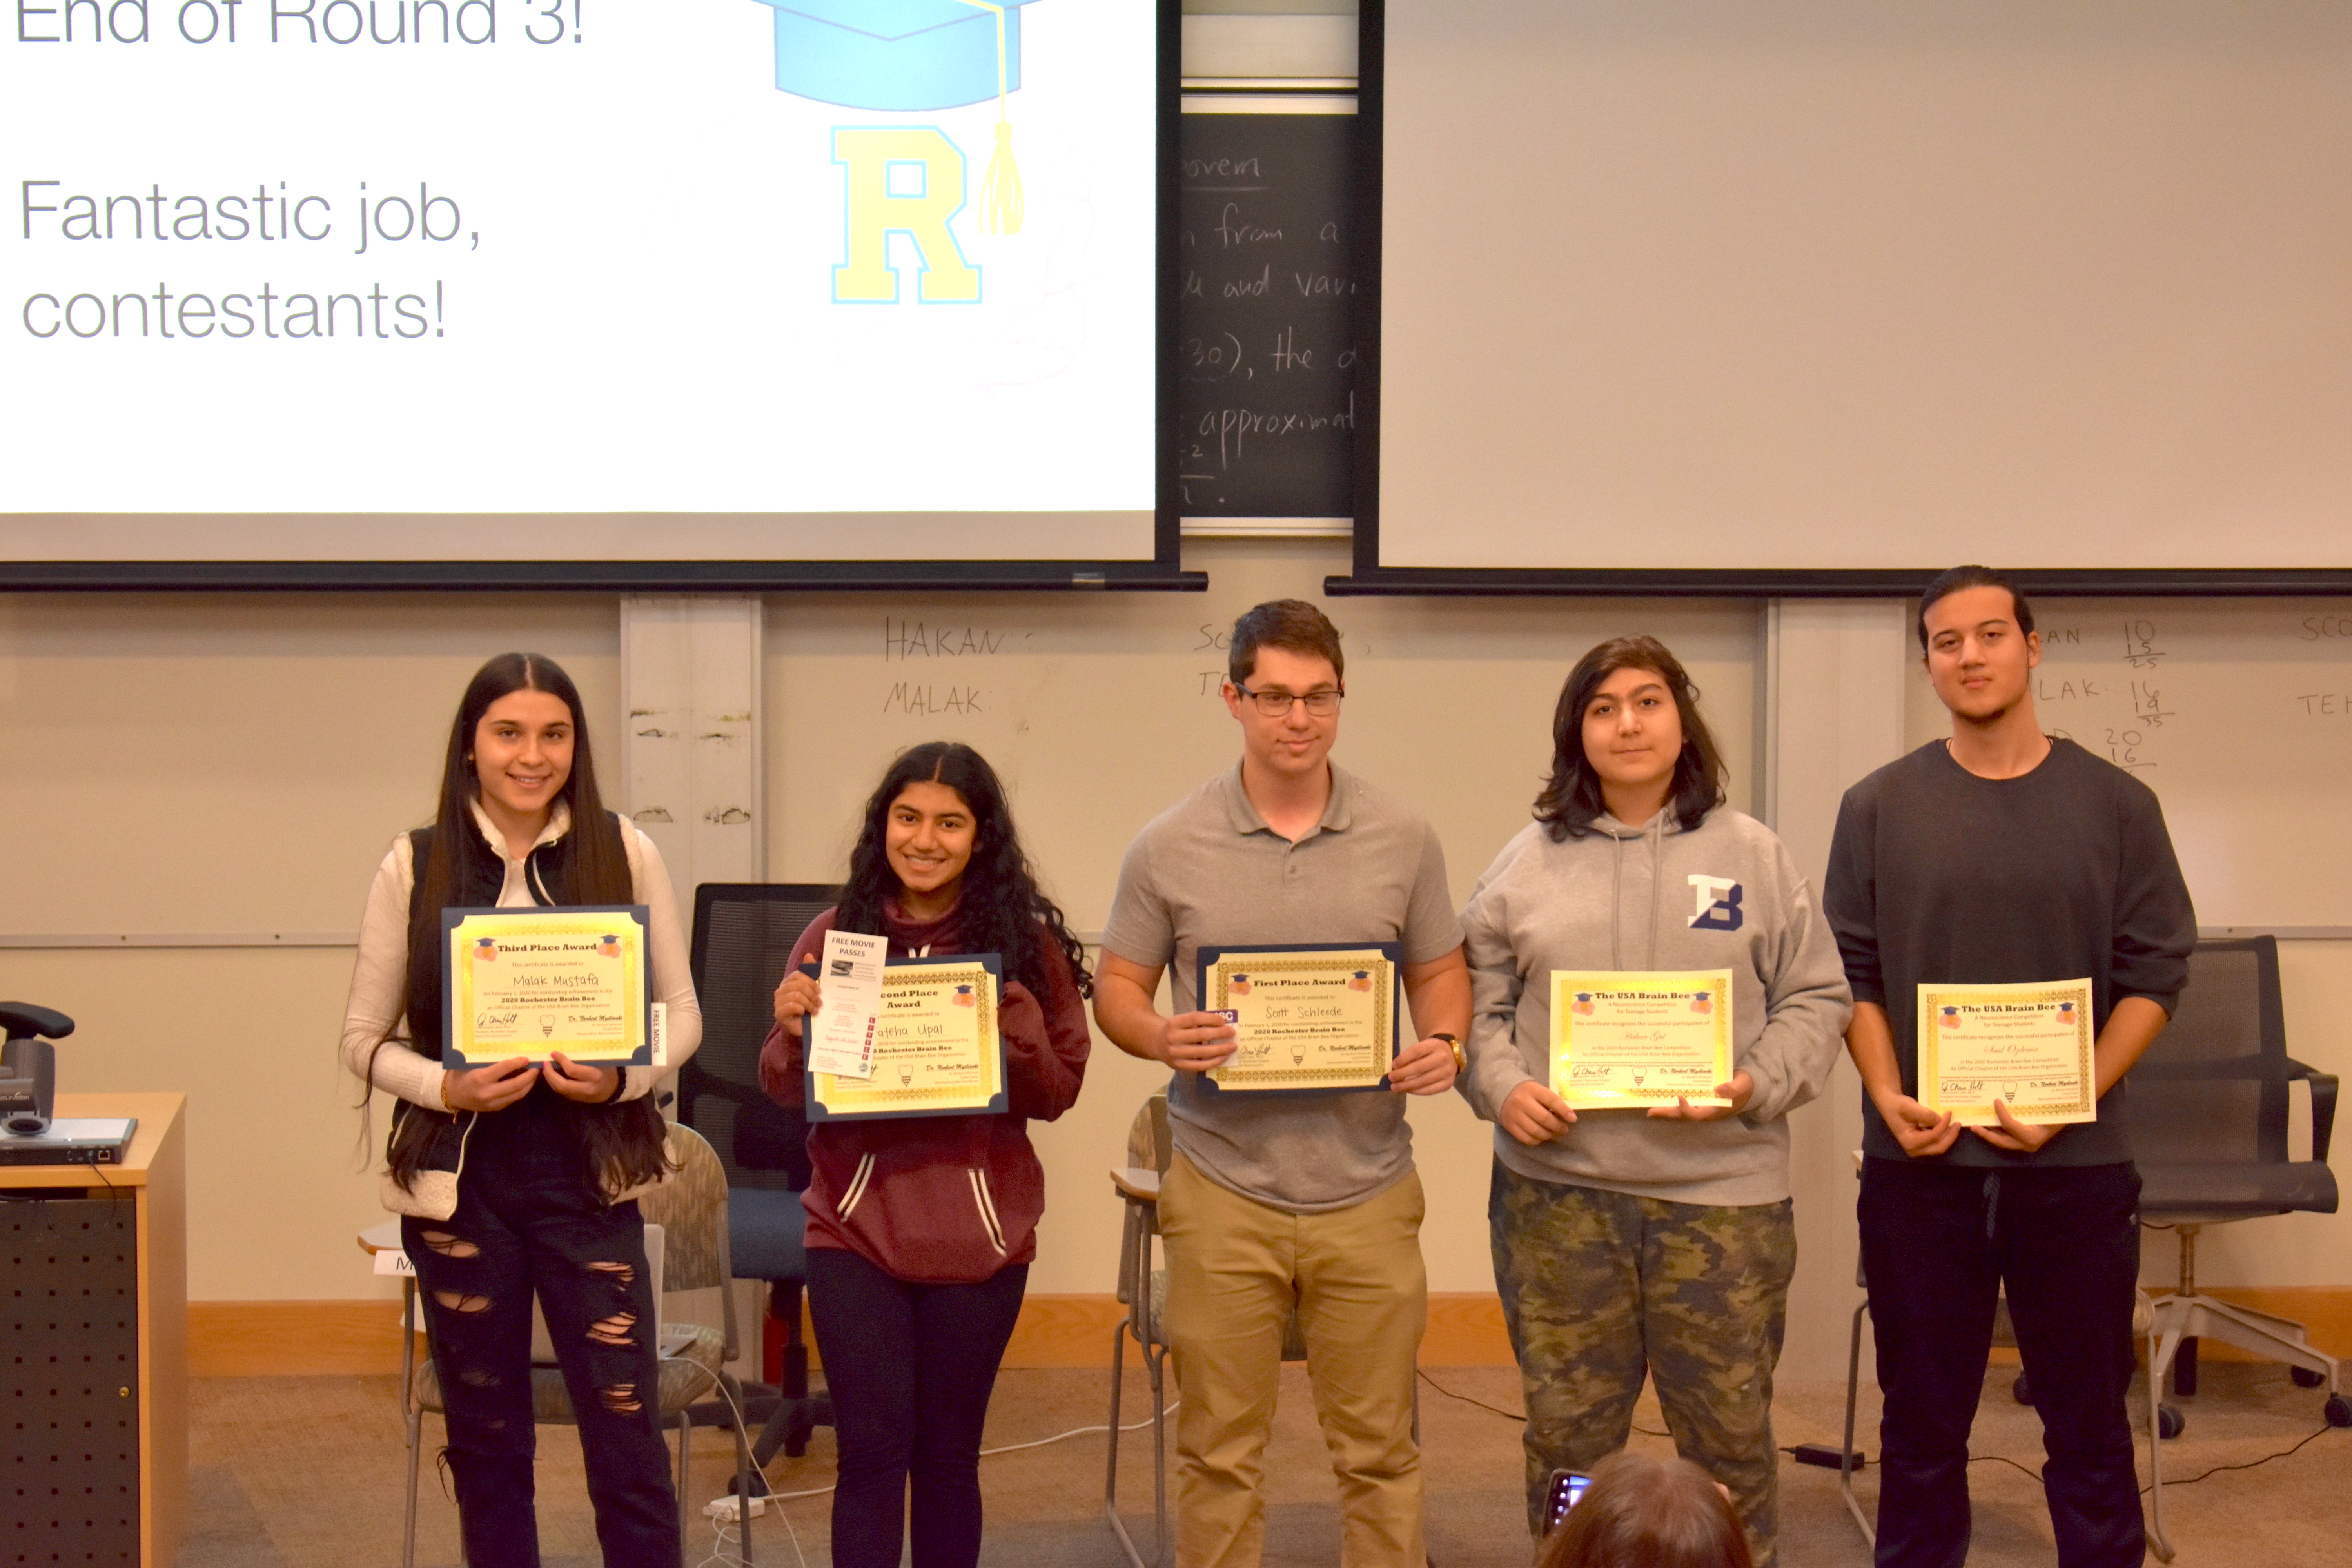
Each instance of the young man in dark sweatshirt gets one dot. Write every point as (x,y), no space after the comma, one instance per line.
(2001,856)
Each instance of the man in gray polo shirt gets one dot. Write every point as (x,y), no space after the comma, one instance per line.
(1304,1199)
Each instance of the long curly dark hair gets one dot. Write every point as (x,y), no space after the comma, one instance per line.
(1001,907)
(1571,796)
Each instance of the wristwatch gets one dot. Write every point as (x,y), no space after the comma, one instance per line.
(1461,1057)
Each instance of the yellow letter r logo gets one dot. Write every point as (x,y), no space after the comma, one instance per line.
(902,179)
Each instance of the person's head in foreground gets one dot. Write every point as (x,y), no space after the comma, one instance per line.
(1641,1512)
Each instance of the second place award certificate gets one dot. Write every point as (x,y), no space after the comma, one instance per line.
(936,1050)
(1623,1036)
(2028,1046)
(1304,1017)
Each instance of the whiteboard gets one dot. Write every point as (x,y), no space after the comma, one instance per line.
(236,764)
(192,763)
(2237,713)
(1102,713)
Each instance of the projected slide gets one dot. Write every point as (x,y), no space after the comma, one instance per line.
(850,278)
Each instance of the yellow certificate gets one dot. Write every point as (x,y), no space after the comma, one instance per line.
(530,983)
(937,1051)
(1317,1018)
(2029,1046)
(1624,1037)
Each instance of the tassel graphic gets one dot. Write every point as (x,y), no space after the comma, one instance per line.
(1001,202)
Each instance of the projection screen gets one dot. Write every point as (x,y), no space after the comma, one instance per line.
(583,282)
(1806,291)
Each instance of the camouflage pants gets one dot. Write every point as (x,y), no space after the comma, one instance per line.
(1600,1289)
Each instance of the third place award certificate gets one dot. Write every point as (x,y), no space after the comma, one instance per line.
(1623,1036)
(2029,1046)
(1304,1017)
(530,983)
(937,1051)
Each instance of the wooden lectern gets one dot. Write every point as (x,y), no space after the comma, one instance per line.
(96,1317)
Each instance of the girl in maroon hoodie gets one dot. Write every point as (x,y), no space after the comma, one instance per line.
(920,1230)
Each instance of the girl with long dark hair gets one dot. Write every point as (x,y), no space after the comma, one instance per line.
(517,1178)
(1659,1243)
(920,1231)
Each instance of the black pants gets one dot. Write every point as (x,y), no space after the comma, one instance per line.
(1938,1242)
(527,1221)
(909,1368)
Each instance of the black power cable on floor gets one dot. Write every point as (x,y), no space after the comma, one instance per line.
(1862,1463)
(1505,1414)
(2004,1459)
(2250,1464)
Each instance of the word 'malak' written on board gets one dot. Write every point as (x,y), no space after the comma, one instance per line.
(728,257)
(914,697)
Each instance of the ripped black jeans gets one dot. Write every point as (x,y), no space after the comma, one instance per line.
(526,1221)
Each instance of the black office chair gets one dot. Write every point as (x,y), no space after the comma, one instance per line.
(743,933)
(2209,1114)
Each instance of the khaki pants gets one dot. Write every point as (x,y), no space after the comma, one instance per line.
(1234,1269)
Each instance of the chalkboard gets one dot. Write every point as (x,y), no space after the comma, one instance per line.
(1267,314)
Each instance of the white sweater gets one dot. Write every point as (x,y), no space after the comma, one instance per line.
(380,976)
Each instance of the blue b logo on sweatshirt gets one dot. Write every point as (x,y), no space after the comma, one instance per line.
(1718,904)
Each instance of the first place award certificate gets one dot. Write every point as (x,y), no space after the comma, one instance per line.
(2028,1046)
(1623,1036)
(1305,1018)
(937,1050)
(530,983)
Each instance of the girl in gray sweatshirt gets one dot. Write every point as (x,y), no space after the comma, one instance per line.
(1626,1241)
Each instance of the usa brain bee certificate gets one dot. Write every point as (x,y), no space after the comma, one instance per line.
(530,983)
(1623,1037)
(2026,1046)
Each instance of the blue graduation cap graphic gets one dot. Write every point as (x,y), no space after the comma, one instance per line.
(910,56)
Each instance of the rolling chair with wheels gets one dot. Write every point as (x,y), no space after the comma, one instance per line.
(2209,1112)
(743,934)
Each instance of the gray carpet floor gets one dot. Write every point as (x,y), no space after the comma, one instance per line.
(294,1471)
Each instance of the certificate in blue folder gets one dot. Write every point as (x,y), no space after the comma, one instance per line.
(1308,1017)
(938,1046)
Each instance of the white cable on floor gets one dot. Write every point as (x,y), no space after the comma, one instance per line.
(1080,1432)
(728,1560)
(724,1538)
(723,1535)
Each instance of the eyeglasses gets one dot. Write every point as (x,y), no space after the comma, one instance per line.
(1322,703)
